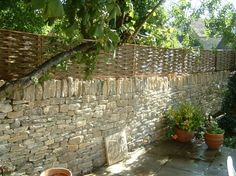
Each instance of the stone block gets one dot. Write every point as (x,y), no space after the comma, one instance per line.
(29,142)
(64,108)
(58,88)
(64,88)
(98,114)
(86,87)
(56,101)
(38,92)
(17,148)
(73,148)
(4,148)
(53,109)
(104,88)
(16,124)
(36,157)
(73,107)
(68,156)
(5,108)
(71,113)
(4,138)
(29,93)
(76,87)
(18,95)
(2,115)
(46,89)
(49,142)
(15,114)
(71,87)
(52,88)
(18,137)
(76,139)
(81,123)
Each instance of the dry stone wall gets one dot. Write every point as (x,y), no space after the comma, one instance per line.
(64,122)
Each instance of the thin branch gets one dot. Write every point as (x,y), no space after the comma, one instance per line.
(140,25)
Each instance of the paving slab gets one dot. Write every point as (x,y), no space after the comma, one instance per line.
(168,157)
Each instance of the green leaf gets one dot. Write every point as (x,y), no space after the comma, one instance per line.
(99,30)
(38,4)
(54,9)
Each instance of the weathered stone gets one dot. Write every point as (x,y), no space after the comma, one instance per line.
(64,88)
(16,124)
(68,156)
(73,148)
(38,92)
(64,108)
(5,108)
(52,88)
(49,142)
(76,139)
(18,95)
(71,113)
(36,157)
(17,148)
(86,86)
(46,89)
(29,142)
(4,148)
(18,137)
(29,93)
(98,114)
(53,109)
(76,87)
(15,114)
(58,88)
(105,88)
(2,115)
(81,123)
(4,138)
(71,87)
(35,111)
(74,107)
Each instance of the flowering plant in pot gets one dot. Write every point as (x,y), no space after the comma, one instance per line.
(214,135)
(183,120)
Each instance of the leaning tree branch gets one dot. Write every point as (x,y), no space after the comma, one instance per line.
(142,22)
(11,86)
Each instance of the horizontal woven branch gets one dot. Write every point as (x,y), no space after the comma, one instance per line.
(21,52)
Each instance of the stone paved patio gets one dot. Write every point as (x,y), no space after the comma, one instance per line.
(166,158)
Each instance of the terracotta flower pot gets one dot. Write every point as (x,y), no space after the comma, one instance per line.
(214,141)
(183,136)
(56,172)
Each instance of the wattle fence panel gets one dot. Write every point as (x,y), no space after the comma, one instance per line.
(21,52)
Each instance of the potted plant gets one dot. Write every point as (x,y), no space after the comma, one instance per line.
(183,120)
(56,172)
(214,136)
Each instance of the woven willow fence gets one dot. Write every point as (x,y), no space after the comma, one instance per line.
(21,52)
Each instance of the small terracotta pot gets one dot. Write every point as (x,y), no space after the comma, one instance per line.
(183,136)
(56,172)
(214,141)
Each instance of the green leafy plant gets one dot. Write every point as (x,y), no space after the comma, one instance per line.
(186,116)
(212,127)
(230,142)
